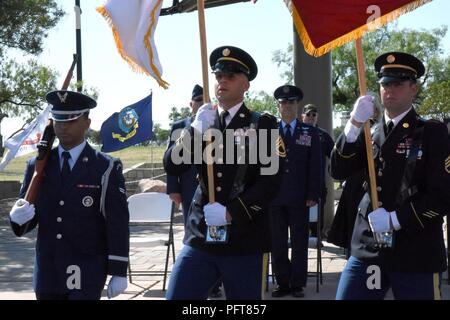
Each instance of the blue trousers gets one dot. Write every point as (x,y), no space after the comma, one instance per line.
(362,281)
(196,272)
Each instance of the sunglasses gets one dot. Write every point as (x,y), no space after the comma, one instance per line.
(290,99)
(311,114)
(200,99)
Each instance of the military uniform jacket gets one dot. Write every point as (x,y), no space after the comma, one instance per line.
(418,246)
(72,228)
(301,167)
(247,201)
(186,183)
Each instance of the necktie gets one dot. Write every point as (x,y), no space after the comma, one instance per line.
(65,172)
(222,117)
(389,127)
(288,134)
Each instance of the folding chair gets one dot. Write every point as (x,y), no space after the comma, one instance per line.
(150,209)
(315,216)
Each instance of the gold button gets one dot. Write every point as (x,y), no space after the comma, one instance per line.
(61,203)
(58,236)
(380,173)
(59,219)
(381,159)
(219,174)
(218,189)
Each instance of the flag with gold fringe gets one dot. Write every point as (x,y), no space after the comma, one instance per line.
(133,24)
(326,24)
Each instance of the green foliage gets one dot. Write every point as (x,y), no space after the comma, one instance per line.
(283,59)
(160,135)
(94,137)
(23,26)
(262,102)
(176,114)
(425,44)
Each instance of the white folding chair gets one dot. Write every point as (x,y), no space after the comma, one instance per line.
(149,209)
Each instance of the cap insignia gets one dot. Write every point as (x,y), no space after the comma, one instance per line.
(62,97)
(226,52)
(286,89)
(390,58)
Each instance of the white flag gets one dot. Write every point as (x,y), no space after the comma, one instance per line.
(133,23)
(27,140)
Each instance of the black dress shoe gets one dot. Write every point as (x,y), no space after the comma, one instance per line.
(281,291)
(297,292)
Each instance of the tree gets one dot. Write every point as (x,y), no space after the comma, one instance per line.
(262,102)
(176,114)
(160,135)
(23,26)
(425,44)
(94,137)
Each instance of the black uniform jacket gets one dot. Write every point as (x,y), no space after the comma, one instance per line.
(420,206)
(246,198)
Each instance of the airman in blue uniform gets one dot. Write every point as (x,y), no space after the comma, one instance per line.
(300,189)
(81,211)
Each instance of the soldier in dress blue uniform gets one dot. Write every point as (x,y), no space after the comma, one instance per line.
(226,239)
(300,189)
(412,165)
(81,211)
(181,188)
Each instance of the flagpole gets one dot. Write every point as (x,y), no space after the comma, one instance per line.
(78,45)
(206,97)
(367,134)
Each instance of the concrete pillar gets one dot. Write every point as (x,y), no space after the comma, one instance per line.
(313,76)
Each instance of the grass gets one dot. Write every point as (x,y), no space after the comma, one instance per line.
(129,156)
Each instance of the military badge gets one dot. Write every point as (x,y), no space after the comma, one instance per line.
(280,148)
(62,97)
(217,234)
(304,140)
(390,58)
(226,52)
(87,201)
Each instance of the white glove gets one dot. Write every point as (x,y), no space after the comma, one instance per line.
(363,109)
(116,286)
(215,214)
(22,212)
(380,220)
(204,118)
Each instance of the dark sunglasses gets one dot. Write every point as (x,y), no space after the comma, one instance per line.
(311,114)
(290,99)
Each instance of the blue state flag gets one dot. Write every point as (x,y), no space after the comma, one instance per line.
(130,126)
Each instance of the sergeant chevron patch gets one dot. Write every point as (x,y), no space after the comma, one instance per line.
(447,164)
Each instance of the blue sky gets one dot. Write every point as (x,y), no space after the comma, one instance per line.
(259,28)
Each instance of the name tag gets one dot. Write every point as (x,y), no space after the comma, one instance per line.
(88,186)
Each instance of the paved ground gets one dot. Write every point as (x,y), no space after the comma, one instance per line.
(17,255)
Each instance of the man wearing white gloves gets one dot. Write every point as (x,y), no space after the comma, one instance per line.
(412,165)
(81,211)
(225,240)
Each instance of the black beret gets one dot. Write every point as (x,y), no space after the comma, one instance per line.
(69,105)
(233,60)
(398,66)
(288,92)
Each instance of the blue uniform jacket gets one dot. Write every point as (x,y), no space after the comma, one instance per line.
(73,232)
(301,168)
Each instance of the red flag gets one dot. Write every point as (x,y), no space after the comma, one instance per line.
(326,24)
